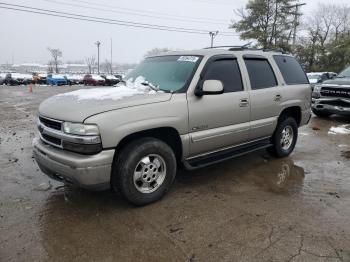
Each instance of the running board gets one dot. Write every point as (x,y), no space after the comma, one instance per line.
(217,157)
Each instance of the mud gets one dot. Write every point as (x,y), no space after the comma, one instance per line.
(254,208)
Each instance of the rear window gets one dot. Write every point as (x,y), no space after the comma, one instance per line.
(291,70)
(260,73)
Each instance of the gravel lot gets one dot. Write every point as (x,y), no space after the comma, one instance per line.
(254,208)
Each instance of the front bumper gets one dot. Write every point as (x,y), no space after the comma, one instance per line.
(340,106)
(86,171)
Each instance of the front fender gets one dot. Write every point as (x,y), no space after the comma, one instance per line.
(117,124)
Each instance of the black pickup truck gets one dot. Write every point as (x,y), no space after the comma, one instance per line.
(332,96)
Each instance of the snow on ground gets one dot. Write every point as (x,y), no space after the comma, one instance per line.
(131,88)
(343,129)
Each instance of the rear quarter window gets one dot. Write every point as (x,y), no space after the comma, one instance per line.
(291,70)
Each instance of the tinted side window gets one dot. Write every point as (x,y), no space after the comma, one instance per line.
(260,73)
(291,70)
(227,71)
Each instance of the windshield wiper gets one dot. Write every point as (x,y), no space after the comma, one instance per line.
(153,87)
(150,85)
(342,76)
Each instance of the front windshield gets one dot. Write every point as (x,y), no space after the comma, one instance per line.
(167,73)
(345,72)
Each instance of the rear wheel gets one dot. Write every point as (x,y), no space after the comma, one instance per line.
(321,113)
(144,171)
(285,137)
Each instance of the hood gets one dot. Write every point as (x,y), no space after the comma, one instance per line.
(78,105)
(338,81)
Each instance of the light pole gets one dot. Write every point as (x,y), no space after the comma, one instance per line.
(212,36)
(111,56)
(98,43)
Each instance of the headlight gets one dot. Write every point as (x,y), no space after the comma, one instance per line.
(317,88)
(80,129)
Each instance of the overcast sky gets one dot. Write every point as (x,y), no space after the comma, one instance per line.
(25,37)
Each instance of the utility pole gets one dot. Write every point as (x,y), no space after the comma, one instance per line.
(111,56)
(295,22)
(212,36)
(98,43)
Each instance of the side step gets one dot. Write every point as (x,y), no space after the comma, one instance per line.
(217,157)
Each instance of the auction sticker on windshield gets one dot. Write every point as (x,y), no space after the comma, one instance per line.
(192,59)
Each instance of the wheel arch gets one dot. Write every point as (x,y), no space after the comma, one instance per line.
(292,111)
(168,135)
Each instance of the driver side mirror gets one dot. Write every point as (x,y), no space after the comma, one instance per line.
(210,87)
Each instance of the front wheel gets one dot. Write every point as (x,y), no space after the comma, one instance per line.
(285,137)
(144,171)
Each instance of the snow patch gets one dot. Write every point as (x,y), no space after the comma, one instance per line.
(343,130)
(118,92)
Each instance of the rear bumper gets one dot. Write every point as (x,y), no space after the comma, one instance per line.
(340,106)
(86,171)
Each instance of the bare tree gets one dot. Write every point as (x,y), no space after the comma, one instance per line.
(156,51)
(55,54)
(107,67)
(90,62)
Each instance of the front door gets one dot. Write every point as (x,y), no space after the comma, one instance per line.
(219,121)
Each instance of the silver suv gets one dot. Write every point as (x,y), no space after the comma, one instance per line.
(190,109)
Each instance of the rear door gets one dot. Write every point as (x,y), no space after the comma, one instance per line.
(219,121)
(265,96)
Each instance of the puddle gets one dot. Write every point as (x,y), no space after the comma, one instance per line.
(279,176)
(342,130)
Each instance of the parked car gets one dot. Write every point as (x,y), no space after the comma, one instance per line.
(332,96)
(56,80)
(1,80)
(189,108)
(27,79)
(110,80)
(94,80)
(75,79)
(120,77)
(319,77)
(39,78)
(12,79)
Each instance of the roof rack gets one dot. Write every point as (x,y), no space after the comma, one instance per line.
(223,46)
(246,47)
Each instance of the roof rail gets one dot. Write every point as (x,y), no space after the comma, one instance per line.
(246,47)
(223,46)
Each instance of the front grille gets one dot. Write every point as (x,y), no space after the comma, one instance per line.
(52,139)
(336,92)
(51,123)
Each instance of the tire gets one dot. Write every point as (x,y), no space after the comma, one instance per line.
(286,125)
(139,159)
(322,114)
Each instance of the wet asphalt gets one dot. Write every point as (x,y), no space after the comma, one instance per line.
(253,208)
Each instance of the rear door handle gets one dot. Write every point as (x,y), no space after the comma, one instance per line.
(243,102)
(278,98)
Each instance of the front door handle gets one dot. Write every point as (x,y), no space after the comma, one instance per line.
(243,102)
(278,97)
